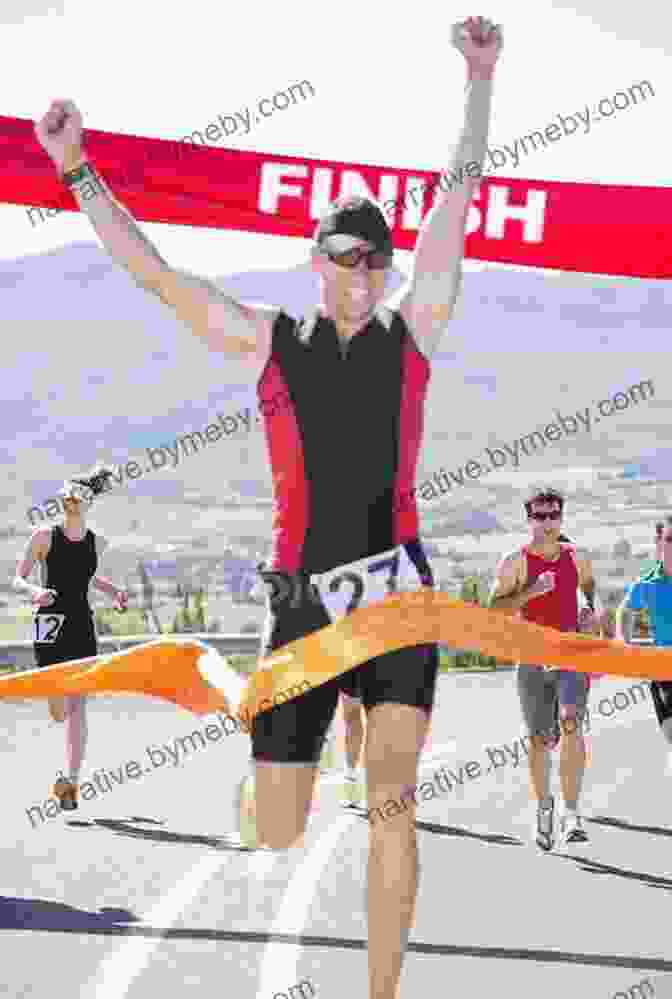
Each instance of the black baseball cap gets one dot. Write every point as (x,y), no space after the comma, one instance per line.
(358,217)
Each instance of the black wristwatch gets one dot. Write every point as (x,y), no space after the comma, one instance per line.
(82,172)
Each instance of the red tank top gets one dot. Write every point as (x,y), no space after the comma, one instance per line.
(558,609)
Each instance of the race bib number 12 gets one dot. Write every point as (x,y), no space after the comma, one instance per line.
(367,581)
(47,627)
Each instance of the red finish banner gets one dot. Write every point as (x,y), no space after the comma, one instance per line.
(592,228)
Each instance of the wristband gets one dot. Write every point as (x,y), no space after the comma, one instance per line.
(83,172)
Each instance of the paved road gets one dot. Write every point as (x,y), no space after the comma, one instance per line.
(135,897)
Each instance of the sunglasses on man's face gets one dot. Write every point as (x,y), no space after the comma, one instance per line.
(376,260)
(546,516)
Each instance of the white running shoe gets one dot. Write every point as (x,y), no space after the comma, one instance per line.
(572,829)
(543,825)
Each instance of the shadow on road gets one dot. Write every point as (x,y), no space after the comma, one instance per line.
(55,917)
(128,827)
(605,820)
(37,914)
(594,867)
(434,827)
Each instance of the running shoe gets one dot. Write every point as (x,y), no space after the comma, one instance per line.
(247,813)
(543,825)
(67,793)
(572,829)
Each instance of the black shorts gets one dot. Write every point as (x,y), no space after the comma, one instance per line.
(661,694)
(294,732)
(75,640)
(351,684)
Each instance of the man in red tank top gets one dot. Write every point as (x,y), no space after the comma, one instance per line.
(539,582)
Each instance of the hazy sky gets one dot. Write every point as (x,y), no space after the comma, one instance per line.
(388,90)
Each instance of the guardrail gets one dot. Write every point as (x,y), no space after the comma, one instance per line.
(20,655)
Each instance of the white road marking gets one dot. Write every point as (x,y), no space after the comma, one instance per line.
(279,961)
(119,970)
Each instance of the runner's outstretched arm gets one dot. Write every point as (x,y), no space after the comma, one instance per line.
(597,618)
(35,551)
(430,300)
(224,324)
(118,594)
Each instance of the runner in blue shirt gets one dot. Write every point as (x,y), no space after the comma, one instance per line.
(653,591)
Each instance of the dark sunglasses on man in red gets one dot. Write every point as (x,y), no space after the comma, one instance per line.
(376,260)
(546,516)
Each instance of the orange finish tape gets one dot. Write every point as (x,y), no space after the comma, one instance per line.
(175,669)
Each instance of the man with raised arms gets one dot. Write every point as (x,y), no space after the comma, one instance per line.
(337,482)
(539,582)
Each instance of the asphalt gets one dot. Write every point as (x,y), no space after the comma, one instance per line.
(138,894)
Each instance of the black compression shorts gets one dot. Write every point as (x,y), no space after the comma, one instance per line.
(294,732)
(661,694)
(75,640)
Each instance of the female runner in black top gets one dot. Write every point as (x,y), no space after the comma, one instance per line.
(63,626)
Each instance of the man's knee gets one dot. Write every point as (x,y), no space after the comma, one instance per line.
(570,720)
(281,836)
(543,741)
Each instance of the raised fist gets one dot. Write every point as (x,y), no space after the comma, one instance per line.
(59,133)
(479,41)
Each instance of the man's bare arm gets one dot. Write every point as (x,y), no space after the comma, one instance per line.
(507,588)
(511,591)
(587,583)
(223,323)
(430,300)
(36,550)
(625,618)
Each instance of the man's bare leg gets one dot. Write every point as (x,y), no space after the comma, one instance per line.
(572,757)
(395,736)
(57,708)
(539,764)
(283,796)
(353,720)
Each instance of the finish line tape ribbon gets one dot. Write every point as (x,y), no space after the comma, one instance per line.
(194,676)
(591,228)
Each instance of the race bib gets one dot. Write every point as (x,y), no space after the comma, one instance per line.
(47,627)
(367,581)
